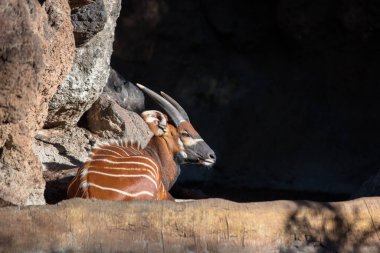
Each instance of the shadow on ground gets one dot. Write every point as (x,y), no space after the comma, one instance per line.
(326,228)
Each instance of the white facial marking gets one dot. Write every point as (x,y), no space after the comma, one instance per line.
(182,148)
(208,162)
(192,142)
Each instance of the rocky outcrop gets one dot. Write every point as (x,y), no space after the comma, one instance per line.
(61,152)
(125,93)
(88,76)
(62,149)
(88,18)
(113,114)
(36,53)
(212,225)
(109,120)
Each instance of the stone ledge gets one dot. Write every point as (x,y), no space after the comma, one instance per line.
(212,225)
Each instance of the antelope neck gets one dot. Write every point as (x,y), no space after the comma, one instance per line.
(158,149)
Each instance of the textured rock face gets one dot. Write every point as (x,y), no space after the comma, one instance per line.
(126,94)
(62,149)
(61,152)
(37,52)
(88,18)
(214,225)
(109,120)
(87,77)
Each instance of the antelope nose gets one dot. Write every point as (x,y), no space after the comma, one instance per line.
(212,156)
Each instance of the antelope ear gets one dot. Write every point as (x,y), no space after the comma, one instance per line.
(157,121)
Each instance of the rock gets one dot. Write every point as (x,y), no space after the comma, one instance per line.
(125,93)
(57,183)
(88,76)
(62,149)
(37,51)
(212,225)
(78,3)
(88,18)
(61,152)
(109,120)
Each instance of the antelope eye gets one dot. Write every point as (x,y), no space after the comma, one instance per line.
(185,134)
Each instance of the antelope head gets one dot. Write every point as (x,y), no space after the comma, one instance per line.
(191,147)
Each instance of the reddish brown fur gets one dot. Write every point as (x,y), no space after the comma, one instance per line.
(184,125)
(157,155)
(131,185)
(124,172)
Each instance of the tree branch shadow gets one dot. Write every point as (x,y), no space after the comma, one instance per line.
(329,228)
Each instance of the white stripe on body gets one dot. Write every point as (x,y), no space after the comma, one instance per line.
(102,148)
(83,185)
(122,175)
(112,162)
(93,158)
(134,151)
(131,149)
(122,149)
(121,192)
(125,169)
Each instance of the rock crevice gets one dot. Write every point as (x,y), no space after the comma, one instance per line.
(37,52)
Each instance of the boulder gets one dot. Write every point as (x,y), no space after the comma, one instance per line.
(88,18)
(125,93)
(37,52)
(88,75)
(62,152)
(109,120)
(212,225)
(62,149)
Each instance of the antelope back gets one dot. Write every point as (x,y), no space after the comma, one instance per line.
(116,172)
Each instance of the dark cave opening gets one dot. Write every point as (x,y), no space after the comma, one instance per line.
(284,91)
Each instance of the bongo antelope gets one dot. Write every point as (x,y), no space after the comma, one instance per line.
(125,171)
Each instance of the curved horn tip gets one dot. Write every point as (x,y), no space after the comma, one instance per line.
(140,86)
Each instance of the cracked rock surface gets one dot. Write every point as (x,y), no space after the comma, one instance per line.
(88,75)
(36,54)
